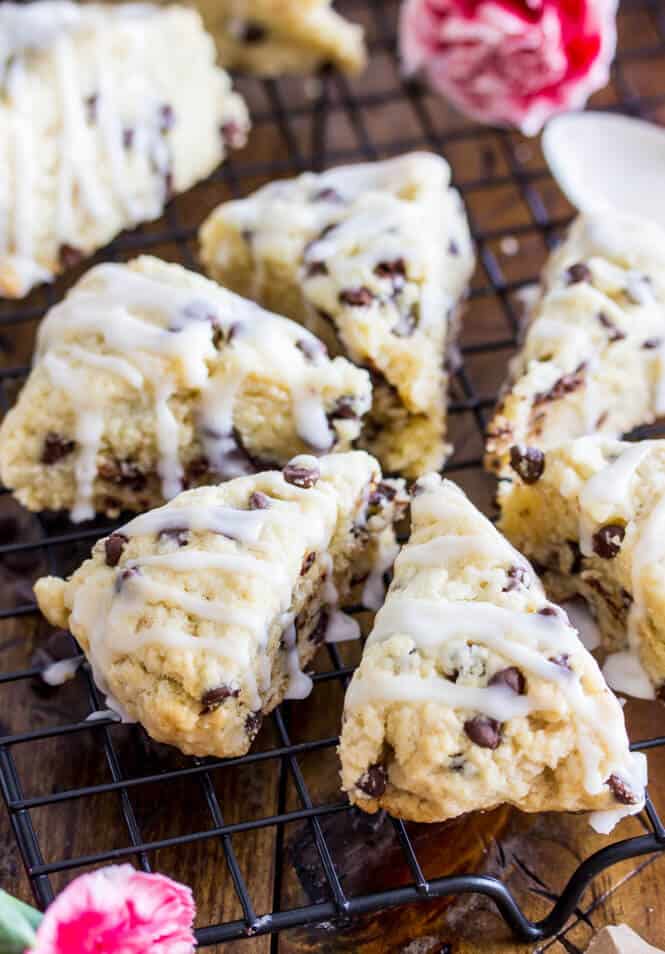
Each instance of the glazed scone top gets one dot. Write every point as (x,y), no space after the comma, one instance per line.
(618,489)
(452,613)
(142,323)
(593,354)
(383,248)
(94,125)
(201,583)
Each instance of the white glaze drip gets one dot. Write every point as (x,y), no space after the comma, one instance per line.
(607,496)
(300,684)
(58,673)
(342,628)
(176,325)
(526,639)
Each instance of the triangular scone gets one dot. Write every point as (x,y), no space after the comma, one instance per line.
(149,379)
(106,112)
(592,360)
(198,618)
(595,522)
(374,259)
(473,690)
(272,37)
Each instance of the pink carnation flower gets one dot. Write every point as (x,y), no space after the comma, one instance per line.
(118,910)
(512,62)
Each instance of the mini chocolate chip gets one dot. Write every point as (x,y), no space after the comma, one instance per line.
(453,247)
(55,448)
(60,645)
(614,334)
(547,611)
(356,297)
(316,268)
(483,731)
(395,270)
(621,791)
(511,678)
(457,762)
(307,563)
(196,469)
(343,408)
(258,501)
(528,462)
(125,473)
(125,575)
(113,547)
(253,32)
(179,535)
(607,541)
(660,692)
(128,137)
(327,195)
(91,108)
(300,476)
(562,661)
(566,384)
(517,577)
(578,273)
(253,723)
(373,781)
(652,343)
(213,698)
(69,256)
(313,349)
(166,118)
(381,493)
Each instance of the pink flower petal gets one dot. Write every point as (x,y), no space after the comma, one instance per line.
(512,62)
(119,910)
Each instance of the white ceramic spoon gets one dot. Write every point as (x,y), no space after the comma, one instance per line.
(607,161)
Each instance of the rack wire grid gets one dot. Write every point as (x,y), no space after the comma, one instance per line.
(82,793)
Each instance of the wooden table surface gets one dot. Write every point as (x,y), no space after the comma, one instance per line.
(534,855)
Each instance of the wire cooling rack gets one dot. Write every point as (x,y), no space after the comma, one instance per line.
(64,777)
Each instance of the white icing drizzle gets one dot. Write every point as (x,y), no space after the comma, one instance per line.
(525,639)
(374,590)
(300,684)
(587,628)
(624,673)
(25,30)
(58,673)
(116,621)
(245,526)
(176,325)
(341,628)
(607,495)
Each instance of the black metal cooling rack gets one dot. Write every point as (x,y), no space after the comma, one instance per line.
(513,207)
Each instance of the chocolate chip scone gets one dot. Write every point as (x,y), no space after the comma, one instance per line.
(592,360)
(474,690)
(373,258)
(149,379)
(106,112)
(594,520)
(199,617)
(272,37)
